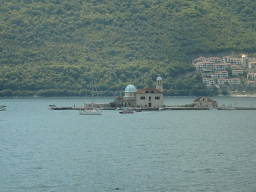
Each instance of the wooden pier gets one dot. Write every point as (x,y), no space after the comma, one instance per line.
(156,109)
(68,108)
(187,108)
(245,108)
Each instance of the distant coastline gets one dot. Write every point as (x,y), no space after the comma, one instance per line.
(110,97)
(249,95)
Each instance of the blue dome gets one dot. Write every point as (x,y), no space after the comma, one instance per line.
(130,89)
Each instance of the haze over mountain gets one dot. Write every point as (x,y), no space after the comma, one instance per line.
(57,48)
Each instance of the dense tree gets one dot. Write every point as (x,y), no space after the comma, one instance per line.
(53,47)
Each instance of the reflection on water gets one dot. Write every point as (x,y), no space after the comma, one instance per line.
(45,150)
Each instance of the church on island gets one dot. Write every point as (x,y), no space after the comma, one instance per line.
(147,98)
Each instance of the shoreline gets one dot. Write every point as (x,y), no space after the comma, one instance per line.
(253,95)
(110,97)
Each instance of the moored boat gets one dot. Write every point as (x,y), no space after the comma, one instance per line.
(52,107)
(127,111)
(90,112)
(164,108)
(230,107)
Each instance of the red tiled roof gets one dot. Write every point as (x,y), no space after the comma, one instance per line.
(220,64)
(139,91)
(214,58)
(148,89)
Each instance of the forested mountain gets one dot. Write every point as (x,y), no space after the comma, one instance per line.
(62,47)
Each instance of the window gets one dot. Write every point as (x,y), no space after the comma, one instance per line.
(142,98)
(157,98)
(149,98)
(151,91)
(146,91)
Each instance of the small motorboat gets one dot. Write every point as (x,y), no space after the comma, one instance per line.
(52,107)
(90,112)
(127,111)
(164,108)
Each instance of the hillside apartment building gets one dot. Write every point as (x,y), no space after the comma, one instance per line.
(215,67)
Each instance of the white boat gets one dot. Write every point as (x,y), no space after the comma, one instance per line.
(230,107)
(164,108)
(51,107)
(126,111)
(90,112)
(2,108)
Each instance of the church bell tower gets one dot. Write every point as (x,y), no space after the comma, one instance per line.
(159,84)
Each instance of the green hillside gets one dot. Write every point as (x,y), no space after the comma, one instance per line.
(61,48)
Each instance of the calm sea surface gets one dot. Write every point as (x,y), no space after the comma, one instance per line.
(45,150)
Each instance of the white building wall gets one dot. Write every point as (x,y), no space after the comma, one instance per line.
(144,103)
(251,65)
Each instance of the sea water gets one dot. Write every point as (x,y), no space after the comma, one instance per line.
(48,150)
